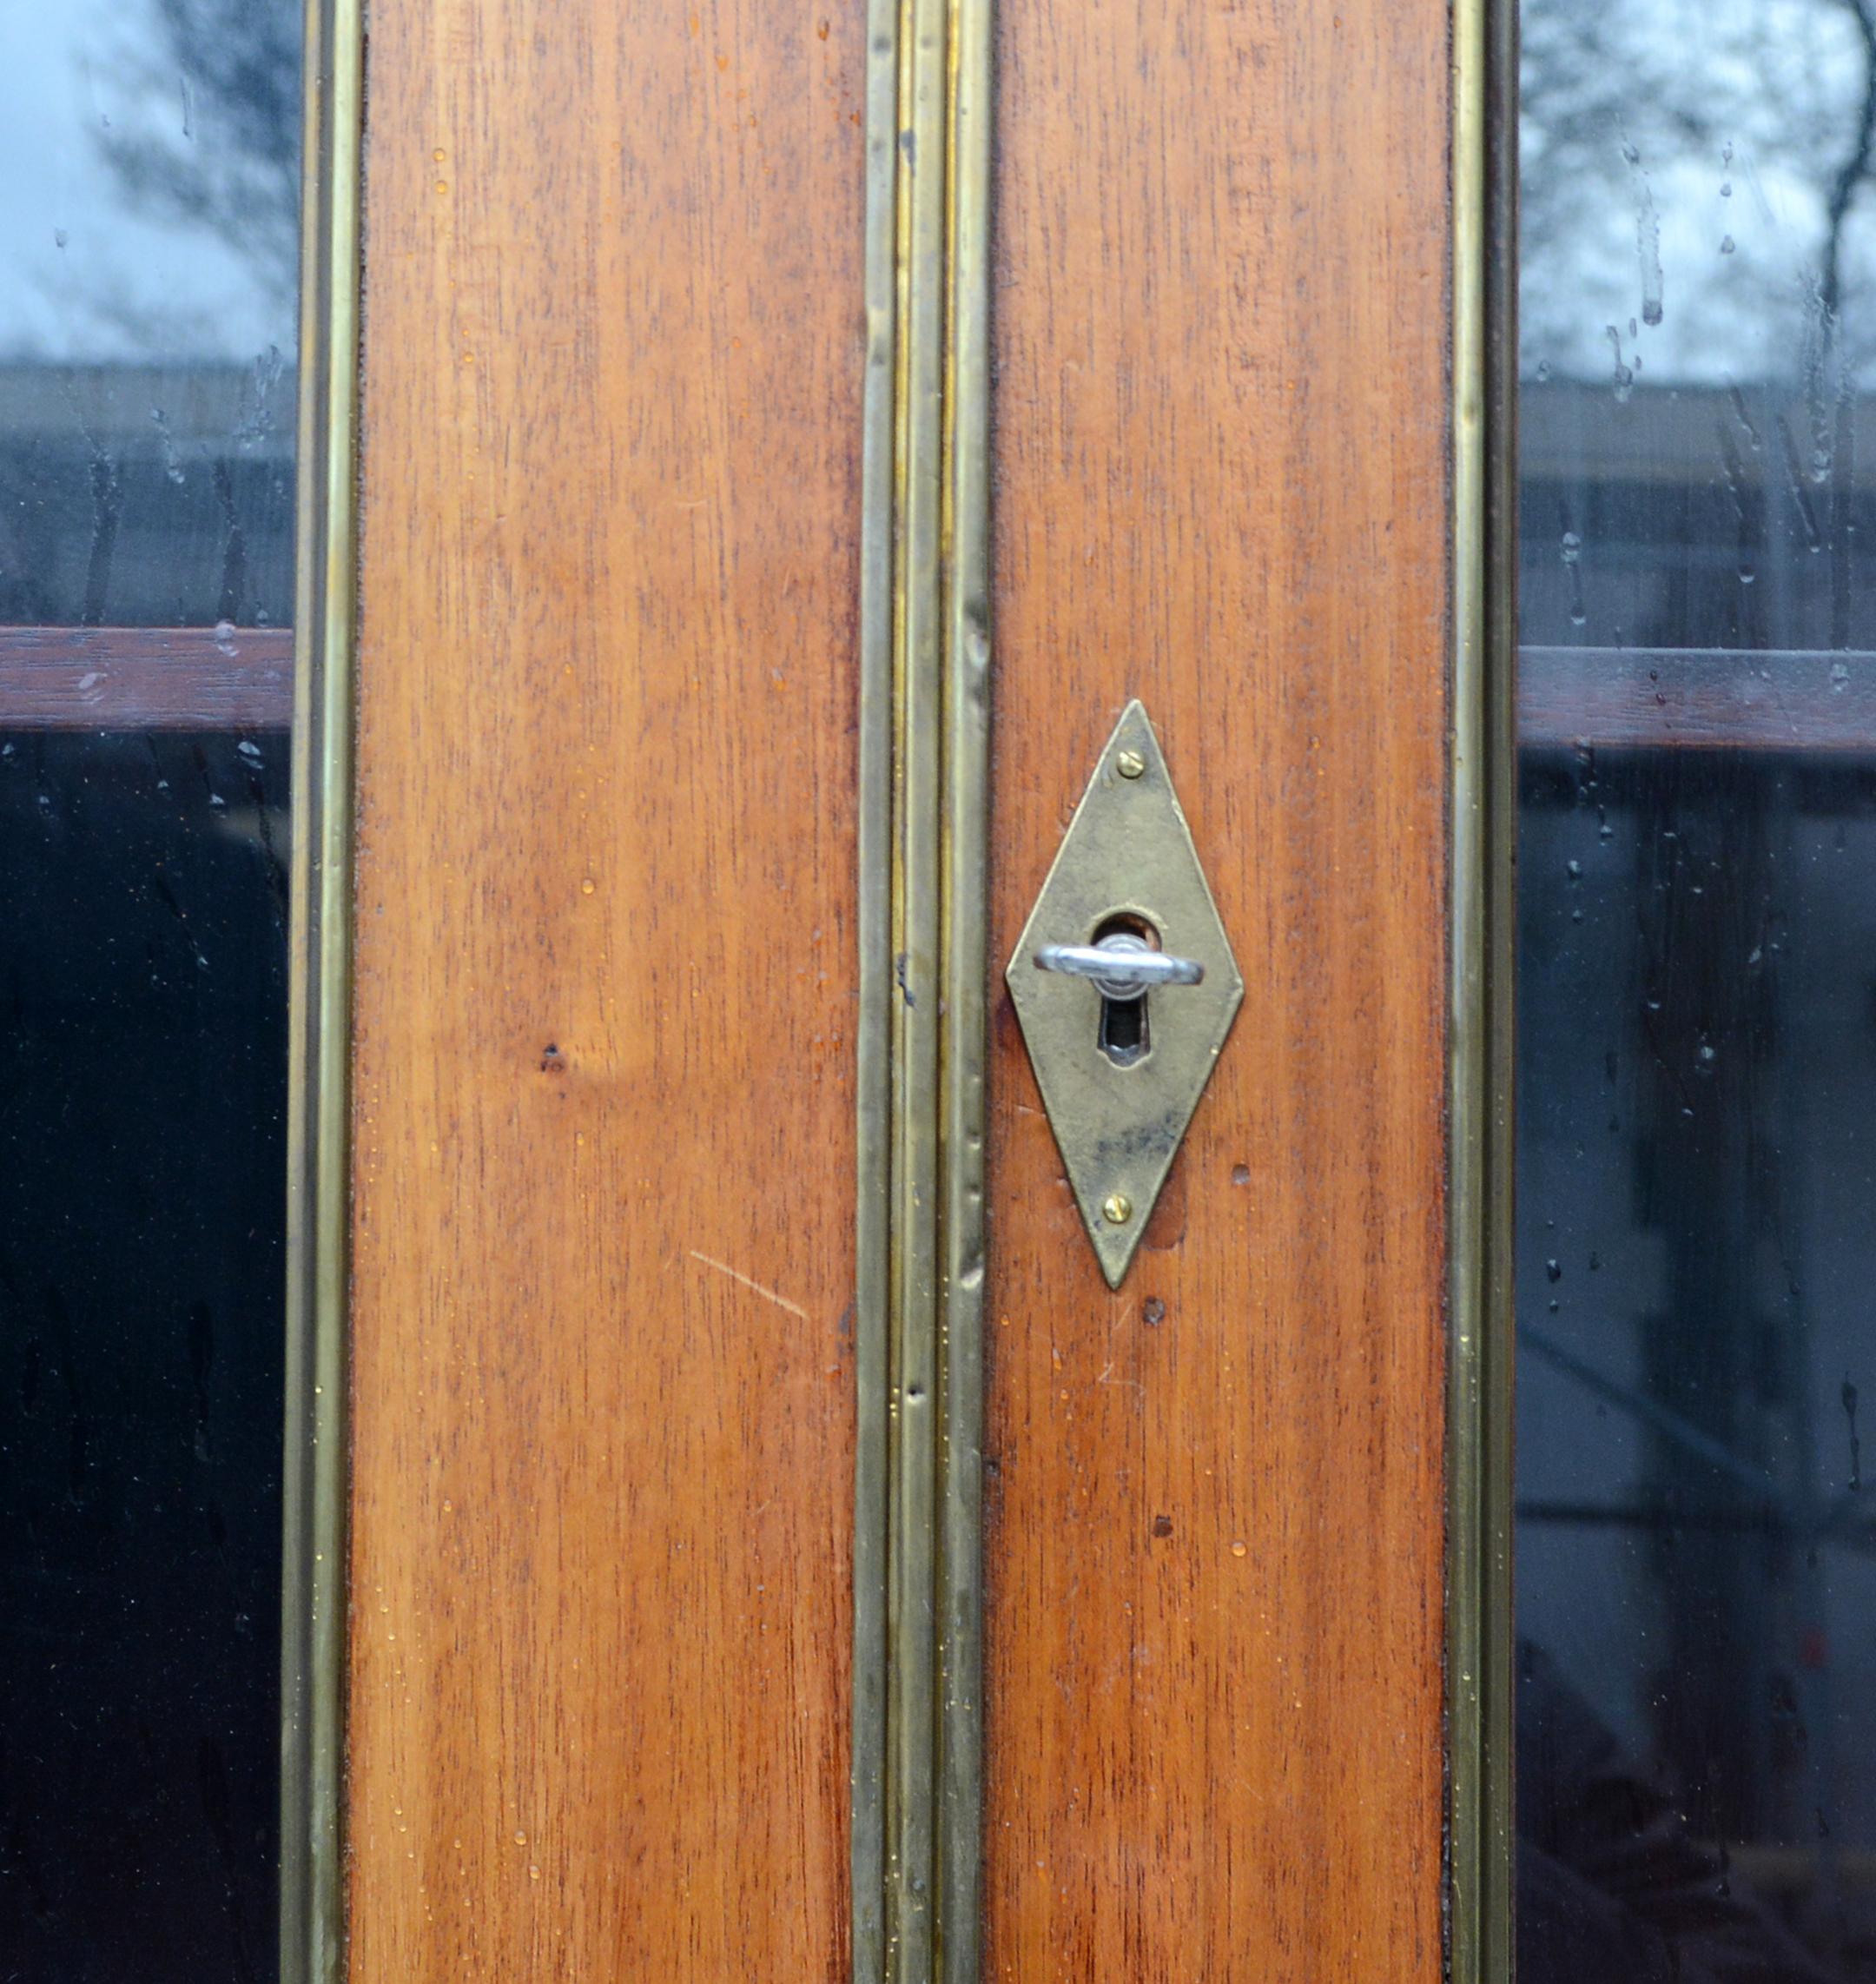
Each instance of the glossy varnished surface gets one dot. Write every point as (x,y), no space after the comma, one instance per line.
(1213,1555)
(601,1396)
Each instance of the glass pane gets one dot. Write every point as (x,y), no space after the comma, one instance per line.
(149,196)
(1696,1571)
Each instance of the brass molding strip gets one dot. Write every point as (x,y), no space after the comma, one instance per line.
(925,660)
(912,1656)
(312,1917)
(1479,1676)
(965,1010)
(872,1038)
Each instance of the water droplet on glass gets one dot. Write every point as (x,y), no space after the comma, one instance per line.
(1839,676)
(172,464)
(1623,378)
(1570,549)
(224,636)
(60,237)
(1574,869)
(1725,244)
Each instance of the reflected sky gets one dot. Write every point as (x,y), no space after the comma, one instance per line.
(85,274)
(1681,162)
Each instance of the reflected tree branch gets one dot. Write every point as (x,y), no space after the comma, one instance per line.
(1854,171)
(223,153)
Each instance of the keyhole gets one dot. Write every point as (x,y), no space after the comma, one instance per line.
(1123,1029)
(1124,1034)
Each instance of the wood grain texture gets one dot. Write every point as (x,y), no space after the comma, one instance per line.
(1214,1549)
(601,1399)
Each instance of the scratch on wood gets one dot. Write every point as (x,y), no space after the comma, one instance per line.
(1131,1384)
(767,1294)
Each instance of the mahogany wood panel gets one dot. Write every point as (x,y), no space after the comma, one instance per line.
(600,1387)
(1214,1551)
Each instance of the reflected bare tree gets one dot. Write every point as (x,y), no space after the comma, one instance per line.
(222,154)
(1854,171)
(1587,86)
(1620,104)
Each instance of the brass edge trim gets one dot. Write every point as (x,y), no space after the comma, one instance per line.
(924,665)
(873,1045)
(965,1007)
(1479,1679)
(312,1923)
(912,1668)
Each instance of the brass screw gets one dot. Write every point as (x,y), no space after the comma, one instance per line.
(1130,764)
(1117,1208)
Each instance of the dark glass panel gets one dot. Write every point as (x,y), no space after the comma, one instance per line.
(143,1093)
(149,195)
(1696,1570)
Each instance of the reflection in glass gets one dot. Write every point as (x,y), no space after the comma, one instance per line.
(149,195)
(1697,993)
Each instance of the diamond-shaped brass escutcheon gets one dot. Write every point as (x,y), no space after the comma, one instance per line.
(1120,1087)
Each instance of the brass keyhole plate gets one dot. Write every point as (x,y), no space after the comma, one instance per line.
(1128,853)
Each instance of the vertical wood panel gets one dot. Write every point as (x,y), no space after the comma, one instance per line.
(1214,1548)
(601,1395)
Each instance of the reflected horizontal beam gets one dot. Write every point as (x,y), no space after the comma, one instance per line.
(196,678)
(146,679)
(1697,699)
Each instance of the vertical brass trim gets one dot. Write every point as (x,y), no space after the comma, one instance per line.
(1480,1707)
(912,1670)
(965,1008)
(873,1045)
(312,1595)
(924,671)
